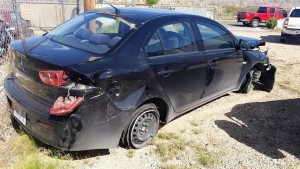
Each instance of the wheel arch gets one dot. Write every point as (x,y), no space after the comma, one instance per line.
(161,106)
(256,17)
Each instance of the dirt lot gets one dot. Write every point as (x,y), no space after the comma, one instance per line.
(258,130)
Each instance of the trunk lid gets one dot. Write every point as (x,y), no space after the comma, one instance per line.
(44,54)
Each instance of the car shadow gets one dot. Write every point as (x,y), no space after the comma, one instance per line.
(262,26)
(267,127)
(276,39)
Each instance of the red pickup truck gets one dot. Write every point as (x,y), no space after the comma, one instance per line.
(261,16)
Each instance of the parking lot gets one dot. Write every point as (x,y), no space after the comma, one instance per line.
(257,130)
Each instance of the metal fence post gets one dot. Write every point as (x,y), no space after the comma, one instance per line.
(16,9)
(63,10)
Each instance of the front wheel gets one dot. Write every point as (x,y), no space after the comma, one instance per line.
(143,128)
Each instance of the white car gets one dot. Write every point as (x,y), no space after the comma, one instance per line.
(291,25)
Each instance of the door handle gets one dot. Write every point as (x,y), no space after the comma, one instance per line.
(165,72)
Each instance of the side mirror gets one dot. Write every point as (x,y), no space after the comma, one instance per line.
(285,14)
(243,45)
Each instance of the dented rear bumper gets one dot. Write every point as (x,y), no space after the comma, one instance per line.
(94,125)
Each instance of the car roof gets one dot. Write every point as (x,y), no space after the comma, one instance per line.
(140,14)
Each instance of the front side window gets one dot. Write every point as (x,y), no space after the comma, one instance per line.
(93,31)
(215,38)
(262,10)
(272,10)
(177,38)
(295,13)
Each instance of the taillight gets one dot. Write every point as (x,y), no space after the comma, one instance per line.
(286,23)
(64,106)
(53,77)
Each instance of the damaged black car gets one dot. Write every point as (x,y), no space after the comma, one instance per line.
(110,76)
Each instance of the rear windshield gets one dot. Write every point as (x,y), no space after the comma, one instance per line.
(295,13)
(93,31)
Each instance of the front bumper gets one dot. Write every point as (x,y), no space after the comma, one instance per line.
(89,127)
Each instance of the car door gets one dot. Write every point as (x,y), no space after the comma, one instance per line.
(179,68)
(224,60)
(272,13)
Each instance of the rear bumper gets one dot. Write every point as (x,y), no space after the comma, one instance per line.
(89,127)
(242,20)
(291,32)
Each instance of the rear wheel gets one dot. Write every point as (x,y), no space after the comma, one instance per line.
(255,23)
(143,128)
(282,37)
(246,23)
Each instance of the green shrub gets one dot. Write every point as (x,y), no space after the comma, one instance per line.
(271,23)
(152,2)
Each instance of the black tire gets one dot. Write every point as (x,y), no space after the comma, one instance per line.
(283,38)
(143,127)
(246,23)
(247,82)
(255,23)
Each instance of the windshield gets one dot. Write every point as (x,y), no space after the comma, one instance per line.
(92,31)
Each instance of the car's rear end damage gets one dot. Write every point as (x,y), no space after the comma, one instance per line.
(60,106)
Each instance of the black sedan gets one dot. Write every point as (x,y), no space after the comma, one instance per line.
(110,76)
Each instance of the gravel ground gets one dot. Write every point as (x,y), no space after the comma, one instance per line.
(257,130)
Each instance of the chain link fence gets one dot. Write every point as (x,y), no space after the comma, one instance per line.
(24,18)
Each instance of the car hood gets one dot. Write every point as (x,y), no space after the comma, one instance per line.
(253,43)
(46,50)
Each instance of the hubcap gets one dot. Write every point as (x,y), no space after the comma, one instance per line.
(144,128)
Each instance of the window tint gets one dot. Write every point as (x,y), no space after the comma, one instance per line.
(154,47)
(177,38)
(272,10)
(295,13)
(262,10)
(214,37)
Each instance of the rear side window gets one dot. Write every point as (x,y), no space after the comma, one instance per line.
(272,10)
(215,38)
(295,13)
(262,10)
(154,47)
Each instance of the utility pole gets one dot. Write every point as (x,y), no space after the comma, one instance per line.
(89,5)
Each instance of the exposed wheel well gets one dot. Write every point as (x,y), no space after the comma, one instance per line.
(161,105)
